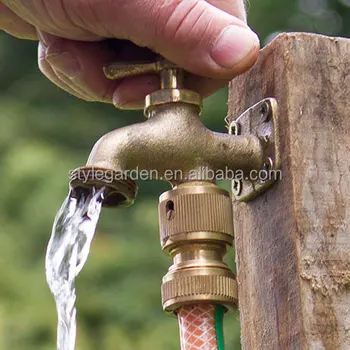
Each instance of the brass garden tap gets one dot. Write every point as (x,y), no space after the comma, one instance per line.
(196,219)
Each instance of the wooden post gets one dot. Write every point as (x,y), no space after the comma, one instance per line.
(293,242)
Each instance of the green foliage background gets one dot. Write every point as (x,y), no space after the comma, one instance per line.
(44,133)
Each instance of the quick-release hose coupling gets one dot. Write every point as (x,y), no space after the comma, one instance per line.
(196,230)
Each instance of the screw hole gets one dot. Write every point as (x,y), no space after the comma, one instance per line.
(169,209)
(235,128)
(236,187)
(169,206)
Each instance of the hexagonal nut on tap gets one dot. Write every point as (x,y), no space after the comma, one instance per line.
(196,229)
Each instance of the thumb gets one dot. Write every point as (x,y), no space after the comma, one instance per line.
(199,37)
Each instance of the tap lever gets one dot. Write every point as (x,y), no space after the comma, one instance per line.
(172,89)
(119,70)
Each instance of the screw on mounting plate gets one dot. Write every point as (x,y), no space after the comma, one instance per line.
(268,165)
(235,128)
(237,187)
(265,111)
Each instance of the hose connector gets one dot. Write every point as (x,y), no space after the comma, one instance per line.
(196,230)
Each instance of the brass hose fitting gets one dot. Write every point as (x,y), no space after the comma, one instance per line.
(196,230)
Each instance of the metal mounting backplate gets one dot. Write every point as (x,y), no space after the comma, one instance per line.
(259,120)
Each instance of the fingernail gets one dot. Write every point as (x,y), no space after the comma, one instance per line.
(65,63)
(233,45)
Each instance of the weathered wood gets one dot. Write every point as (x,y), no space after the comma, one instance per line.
(293,242)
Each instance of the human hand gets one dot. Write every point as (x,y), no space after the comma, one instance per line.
(209,39)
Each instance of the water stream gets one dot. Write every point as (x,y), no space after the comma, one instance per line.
(67,251)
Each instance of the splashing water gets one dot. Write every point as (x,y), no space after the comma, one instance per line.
(67,251)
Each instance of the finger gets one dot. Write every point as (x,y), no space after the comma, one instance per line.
(79,65)
(131,92)
(204,86)
(206,40)
(46,69)
(12,24)
(66,82)
(50,16)
(207,86)
(127,93)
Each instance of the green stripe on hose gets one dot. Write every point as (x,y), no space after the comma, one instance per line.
(219,320)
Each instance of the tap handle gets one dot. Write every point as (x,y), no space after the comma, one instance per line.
(119,70)
(171,76)
(171,82)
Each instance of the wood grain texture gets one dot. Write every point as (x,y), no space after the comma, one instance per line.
(293,242)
